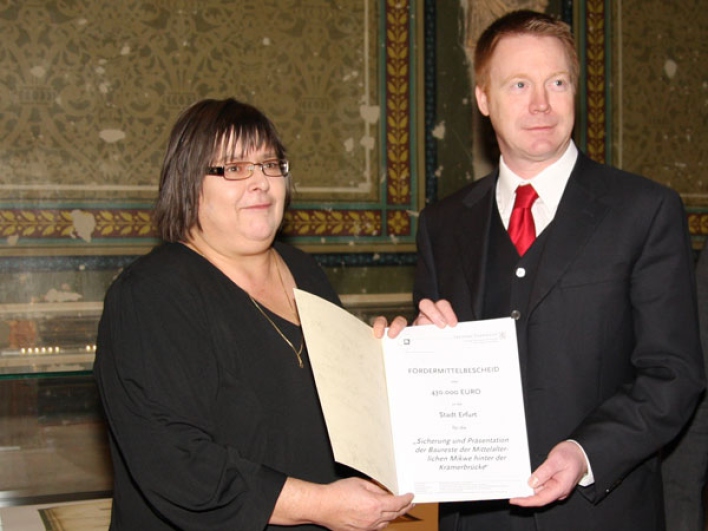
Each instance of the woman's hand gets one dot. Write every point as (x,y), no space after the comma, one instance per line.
(350,504)
(380,324)
(356,504)
(439,313)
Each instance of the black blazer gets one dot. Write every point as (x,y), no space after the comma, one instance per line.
(609,345)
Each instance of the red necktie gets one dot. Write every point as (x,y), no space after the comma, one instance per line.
(521,226)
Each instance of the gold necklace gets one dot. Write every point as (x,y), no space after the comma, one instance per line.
(298,352)
(282,284)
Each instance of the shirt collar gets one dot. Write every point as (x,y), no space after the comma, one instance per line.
(549,183)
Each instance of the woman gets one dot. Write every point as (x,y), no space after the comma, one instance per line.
(203,372)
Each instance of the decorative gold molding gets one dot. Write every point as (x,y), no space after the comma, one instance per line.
(698,223)
(596,106)
(332,222)
(37,225)
(398,111)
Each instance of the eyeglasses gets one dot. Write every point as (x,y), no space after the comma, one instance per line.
(238,171)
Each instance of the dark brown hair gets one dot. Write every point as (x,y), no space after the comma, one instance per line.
(523,22)
(207,129)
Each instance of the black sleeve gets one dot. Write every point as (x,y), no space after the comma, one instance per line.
(158,377)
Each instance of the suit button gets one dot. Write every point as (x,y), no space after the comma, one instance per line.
(521,272)
(516,315)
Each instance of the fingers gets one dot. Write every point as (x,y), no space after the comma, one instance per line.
(403,503)
(393,506)
(446,310)
(380,324)
(397,325)
(544,494)
(557,476)
(439,313)
(397,507)
(382,506)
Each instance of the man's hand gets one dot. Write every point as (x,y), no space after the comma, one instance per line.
(557,476)
(439,313)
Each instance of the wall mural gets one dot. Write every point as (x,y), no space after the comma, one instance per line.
(91,88)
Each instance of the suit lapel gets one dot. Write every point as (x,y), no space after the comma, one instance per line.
(472,244)
(579,213)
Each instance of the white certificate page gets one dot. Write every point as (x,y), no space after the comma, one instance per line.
(457,413)
(436,412)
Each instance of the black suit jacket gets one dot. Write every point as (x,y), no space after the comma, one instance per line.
(609,345)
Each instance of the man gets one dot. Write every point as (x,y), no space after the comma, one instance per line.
(603,298)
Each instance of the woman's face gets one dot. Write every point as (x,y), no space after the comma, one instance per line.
(242,216)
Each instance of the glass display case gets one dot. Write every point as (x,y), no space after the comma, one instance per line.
(53,443)
(48,338)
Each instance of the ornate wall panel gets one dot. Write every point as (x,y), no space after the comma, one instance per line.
(89,90)
(664,77)
(661,113)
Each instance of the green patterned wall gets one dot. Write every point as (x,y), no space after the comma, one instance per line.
(89,90)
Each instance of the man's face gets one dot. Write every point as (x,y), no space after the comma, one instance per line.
(530,101)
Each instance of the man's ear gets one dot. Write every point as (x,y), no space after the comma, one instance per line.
(481,100)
